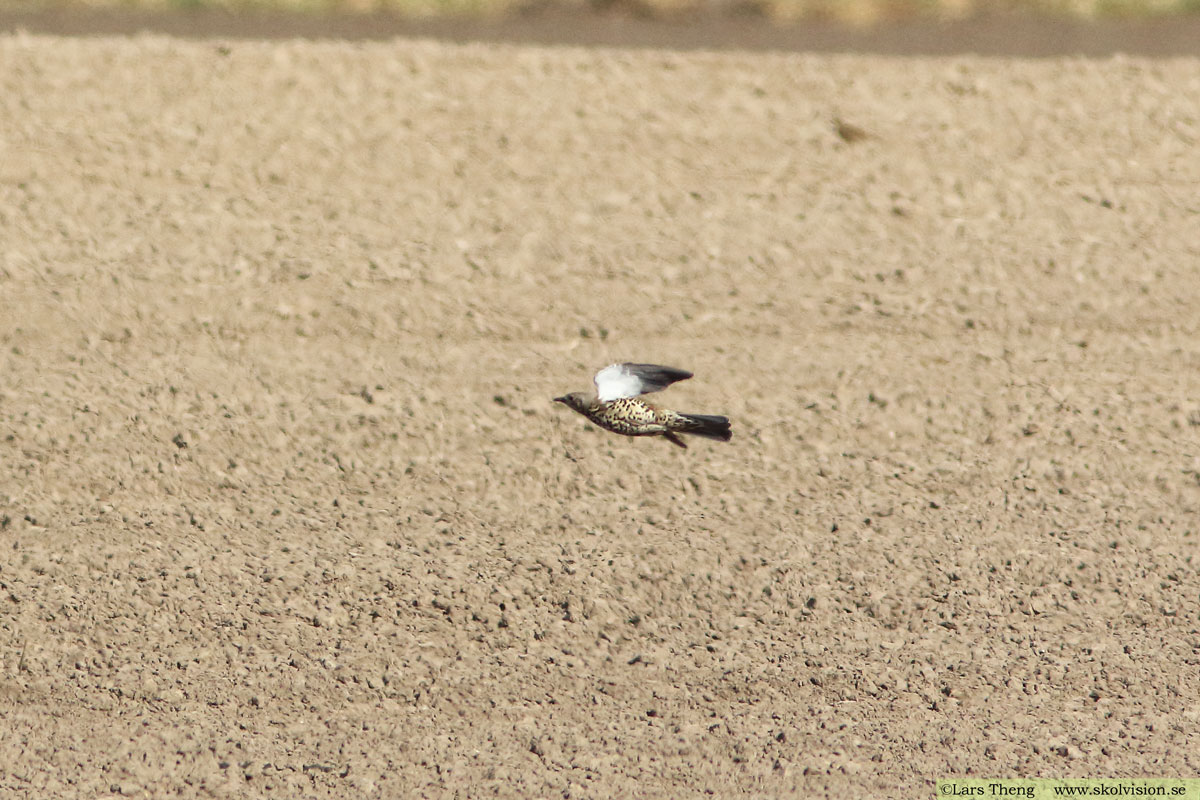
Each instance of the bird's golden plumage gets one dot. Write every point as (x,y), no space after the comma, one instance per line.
(617,406)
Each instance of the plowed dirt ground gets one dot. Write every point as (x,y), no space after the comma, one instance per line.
(286,509)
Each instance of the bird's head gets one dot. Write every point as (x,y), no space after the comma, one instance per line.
(575,400)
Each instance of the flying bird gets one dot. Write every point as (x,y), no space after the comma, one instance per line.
(616,405)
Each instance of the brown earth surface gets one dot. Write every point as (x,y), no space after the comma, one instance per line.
(286,509)
(1023,35)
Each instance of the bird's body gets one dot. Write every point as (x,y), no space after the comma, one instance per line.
(617,405)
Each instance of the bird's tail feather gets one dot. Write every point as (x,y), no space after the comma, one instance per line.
(707,425)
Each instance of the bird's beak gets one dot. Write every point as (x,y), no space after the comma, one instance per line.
(562,400)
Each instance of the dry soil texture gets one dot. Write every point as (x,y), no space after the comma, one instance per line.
(286,510)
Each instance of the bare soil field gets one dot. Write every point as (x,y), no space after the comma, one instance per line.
(1008,35)
(286,509)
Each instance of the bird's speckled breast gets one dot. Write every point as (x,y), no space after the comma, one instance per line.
(628,415)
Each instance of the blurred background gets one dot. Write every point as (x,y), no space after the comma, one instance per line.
(1031,28)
